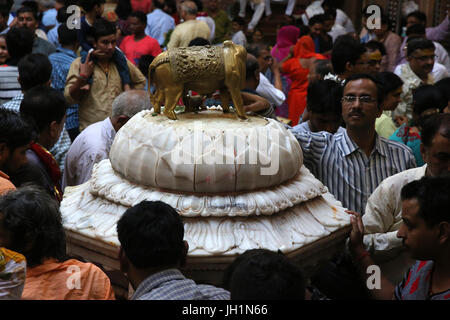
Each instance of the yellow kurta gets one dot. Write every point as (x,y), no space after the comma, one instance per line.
(96,105)
(187,31)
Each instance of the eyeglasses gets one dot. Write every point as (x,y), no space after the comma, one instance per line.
(373,63)
(362,99)
(267,58)
(425,58)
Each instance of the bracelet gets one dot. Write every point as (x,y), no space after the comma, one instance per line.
(362,256)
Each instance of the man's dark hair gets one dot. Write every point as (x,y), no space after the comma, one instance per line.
(33,220)
(256,48)
(240,21)
(389,80)
(170,6)
(416,29)
(4,10)
(103,27)
(345,49)
(436,123)
(124,9)
(7,4)
(324,96)
(331,4)
(151,235)
(144,63)
(260,274)
(374,45)
(19,42)
(419,15)
(62,16)
(330,14)
(34,69)
(318,18)
(67,36)
(29,8)
(432,195)
(88,5)
(379,85)
(427,97)
(198,42)
(443,85)
(41,105)
(159,4)
(15,132)
(142,17)
(419,44)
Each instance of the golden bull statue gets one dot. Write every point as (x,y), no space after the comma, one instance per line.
(201,69)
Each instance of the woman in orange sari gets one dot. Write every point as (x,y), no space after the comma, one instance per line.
(297,65)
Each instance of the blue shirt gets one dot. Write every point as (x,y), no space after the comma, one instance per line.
(52,36)
(61,61)
(49,17)
(171,284)
(158,24)
(412,140)
(345,169)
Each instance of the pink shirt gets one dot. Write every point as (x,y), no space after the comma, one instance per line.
(135,49)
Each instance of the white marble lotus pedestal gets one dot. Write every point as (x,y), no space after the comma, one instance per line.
(227,208)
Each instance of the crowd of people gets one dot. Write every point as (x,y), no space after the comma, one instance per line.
(370,110)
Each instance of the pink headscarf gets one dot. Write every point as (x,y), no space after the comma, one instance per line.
(287,36)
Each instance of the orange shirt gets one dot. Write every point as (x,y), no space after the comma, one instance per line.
(5,184)
(68,280)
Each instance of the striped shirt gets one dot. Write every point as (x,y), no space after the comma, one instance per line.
(9,85)
(345,169)
(171,284)
(61,61)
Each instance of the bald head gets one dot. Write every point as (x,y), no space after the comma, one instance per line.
(131,102)
(188,8)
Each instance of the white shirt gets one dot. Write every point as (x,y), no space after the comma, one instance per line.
(337,31)
(266,90)
(442,55)
(411,82)
(91,146)
(341,17)
(383,218)
(239,38)
(212,26)
(439,71)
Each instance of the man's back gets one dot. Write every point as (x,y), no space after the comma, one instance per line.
(158,24)
(171,284)
(186,31)
(48,281)
(90,147)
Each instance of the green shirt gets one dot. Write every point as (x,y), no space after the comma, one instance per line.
(384,126)
(223,27)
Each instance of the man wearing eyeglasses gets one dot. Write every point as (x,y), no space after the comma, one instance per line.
(416,72)
(352,163)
